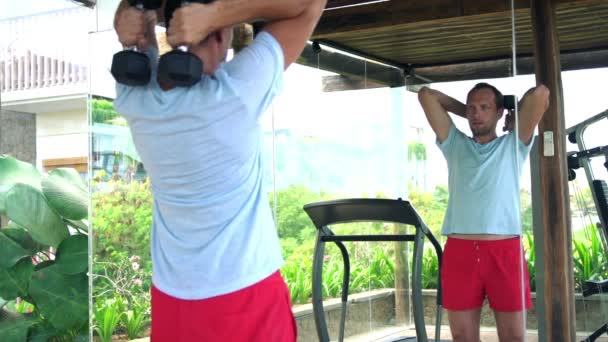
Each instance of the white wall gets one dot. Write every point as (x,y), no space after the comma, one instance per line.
(61,135)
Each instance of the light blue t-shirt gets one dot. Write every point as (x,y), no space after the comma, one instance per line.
(483,184)
(212,230)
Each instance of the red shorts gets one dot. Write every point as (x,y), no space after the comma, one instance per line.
(473,270)
(260,312)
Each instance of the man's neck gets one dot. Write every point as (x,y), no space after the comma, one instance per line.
(484,139)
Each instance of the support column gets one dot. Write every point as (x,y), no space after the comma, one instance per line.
(18,138)
(558,284)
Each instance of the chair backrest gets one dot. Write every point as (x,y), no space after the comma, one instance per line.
(362,209)
(601,191)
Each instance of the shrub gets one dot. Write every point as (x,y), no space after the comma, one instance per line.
(43,253)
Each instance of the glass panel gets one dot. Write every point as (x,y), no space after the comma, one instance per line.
(44,286)
(348,144)
(121,200)
(587,120)
(494,65)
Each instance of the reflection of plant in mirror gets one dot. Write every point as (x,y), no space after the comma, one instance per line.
(102,111)
(43,253)
(416,151)
(590,260)
(528,241)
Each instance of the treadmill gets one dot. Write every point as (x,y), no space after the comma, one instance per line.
(326,213)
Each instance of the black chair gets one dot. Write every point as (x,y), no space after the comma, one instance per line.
(327,213)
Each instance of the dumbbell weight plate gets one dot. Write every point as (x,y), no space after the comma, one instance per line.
(131,68)
(180,68)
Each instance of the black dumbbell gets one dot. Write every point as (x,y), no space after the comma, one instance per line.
(129,66)
(179,67)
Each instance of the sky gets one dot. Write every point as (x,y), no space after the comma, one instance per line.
(18,8)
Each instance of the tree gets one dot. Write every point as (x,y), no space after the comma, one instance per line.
(431,207)
(293,224)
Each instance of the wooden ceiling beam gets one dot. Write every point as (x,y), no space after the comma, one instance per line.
(379,16)
(570,61)
(351,67)
(385,76)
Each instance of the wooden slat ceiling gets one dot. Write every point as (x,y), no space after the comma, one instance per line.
(433,33)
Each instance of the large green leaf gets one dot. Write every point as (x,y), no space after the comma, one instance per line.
(28,208)
(2,303)
(10,251)
(14,171)
(14,281)
(23,238)
(42,332)
(43,265)
(14,327)
(62,299)
(66,193)
(73,255)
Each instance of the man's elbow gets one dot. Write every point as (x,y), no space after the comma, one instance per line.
(424,94)
(541,92)
(299,7)
(315,8)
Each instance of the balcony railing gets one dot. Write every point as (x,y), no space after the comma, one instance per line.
(45,50)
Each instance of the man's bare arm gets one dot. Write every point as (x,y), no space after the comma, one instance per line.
(436,106)
(134,26)
(531,109)
(291,22)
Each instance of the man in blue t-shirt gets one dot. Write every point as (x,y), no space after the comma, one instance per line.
(483,255)
(215,249)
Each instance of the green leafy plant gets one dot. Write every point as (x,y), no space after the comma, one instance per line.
(43,252)
(133,320)
(121,285)
(102,111)
(122,216)
(297,273)
(531,258)
(590,260)
(107,317)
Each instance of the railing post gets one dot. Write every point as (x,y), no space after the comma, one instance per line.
(30,60)
(13,72)
(40,73)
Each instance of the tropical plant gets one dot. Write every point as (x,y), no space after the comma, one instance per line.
(416,151)
(43,252)
(531,258)
(430,269)
(133,320)
(297,273)
(122,216)
(590,258)
(107,316)
(102,111)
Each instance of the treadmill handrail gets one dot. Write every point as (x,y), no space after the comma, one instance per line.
(326,213)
